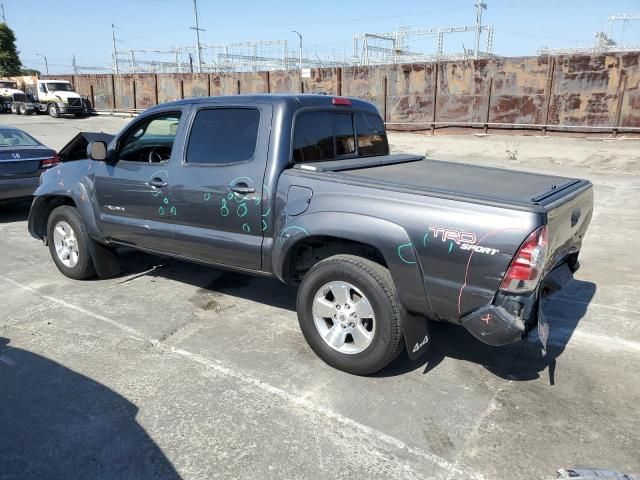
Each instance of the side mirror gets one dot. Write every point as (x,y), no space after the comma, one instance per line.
(97,151)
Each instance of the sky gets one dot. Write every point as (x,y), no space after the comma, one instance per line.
(65,28)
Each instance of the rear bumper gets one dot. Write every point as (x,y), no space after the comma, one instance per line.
(15,188)
(511,317)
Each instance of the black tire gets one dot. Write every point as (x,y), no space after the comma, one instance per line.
(375,282)
(23,110)
(53,110)
(84,267)
(14,109)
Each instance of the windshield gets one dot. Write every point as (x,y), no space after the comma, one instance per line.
(15,138)
(4,84)
(59,86)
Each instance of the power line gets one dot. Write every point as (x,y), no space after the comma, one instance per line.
(342,19)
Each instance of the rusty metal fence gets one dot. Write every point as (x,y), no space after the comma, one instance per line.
(577,92)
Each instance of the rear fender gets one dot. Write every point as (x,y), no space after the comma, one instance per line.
(390,239)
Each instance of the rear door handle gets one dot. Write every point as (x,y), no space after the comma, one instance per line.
(242,189)
(157,182)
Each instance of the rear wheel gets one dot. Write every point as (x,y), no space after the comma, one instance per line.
(349,314)
(14,109)
(69,243)
(23,110)
(53,110)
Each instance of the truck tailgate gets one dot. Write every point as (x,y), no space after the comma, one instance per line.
(567,222)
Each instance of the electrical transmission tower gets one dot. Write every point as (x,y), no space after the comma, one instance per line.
(390,47)
(604,41)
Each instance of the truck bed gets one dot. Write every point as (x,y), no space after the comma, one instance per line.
(478,184)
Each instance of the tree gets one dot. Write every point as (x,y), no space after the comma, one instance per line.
(30,71)
(9,60)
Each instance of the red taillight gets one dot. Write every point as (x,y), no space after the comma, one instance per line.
(526,267)
(341,101)
(50,162)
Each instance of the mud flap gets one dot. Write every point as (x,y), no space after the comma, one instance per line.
(416,335)
(543,328)
(105,260)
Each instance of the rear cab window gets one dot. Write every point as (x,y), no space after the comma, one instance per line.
(332,135)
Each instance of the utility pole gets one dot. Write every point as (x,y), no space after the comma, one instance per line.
(73,63)
(133,62)
(197,29)
(480,5)
(299,35)
(46,65)
(115,53)
(4,20)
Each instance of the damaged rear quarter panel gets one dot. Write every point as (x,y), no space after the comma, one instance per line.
(450,252)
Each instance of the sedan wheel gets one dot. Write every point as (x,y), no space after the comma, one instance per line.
(66,244)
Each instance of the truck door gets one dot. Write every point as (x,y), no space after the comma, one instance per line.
(218,189)
(132,188)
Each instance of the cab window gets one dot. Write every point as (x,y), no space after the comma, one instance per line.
(329,135)
(372,138)
(221,136)
(151,140)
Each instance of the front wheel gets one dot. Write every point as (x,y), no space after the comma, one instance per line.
(350,315)
(69,243)
(53,110)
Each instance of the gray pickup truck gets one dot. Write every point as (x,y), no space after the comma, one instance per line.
(303,188)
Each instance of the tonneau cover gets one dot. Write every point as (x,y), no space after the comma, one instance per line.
(452,179)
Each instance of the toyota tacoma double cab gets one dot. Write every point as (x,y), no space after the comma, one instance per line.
(303,188)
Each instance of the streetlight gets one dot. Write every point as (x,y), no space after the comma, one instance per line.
(46,65)
(299,35)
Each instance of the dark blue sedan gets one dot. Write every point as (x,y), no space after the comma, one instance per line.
(22,160)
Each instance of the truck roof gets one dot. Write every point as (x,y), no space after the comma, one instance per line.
(292,101)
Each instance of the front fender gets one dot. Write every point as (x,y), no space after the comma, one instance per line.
(55,191)
(390,239)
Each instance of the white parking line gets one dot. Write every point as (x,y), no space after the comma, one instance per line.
(293,399)
(132,332)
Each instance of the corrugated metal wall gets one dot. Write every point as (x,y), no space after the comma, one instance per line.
(580,90)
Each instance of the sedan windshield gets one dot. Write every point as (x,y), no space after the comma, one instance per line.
(63,87)
(15,138)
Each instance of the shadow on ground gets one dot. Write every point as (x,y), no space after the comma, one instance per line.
(268,291)
(14,211)
(57,424)
(520,361)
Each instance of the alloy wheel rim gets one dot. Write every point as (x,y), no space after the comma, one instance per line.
(66,244)
(344,317)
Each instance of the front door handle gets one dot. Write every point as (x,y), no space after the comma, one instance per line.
(243,189)
(157,182)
